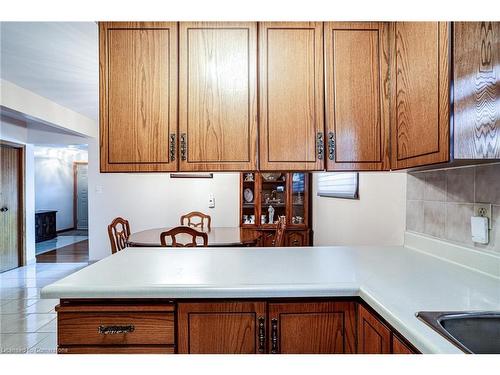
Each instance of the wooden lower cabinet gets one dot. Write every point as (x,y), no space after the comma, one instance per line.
(221,327)
(375,337)
(312,327)
(273,326)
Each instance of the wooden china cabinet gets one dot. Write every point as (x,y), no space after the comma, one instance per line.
(264,197)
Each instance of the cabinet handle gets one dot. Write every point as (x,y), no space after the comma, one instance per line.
(274,336)
(331,145)
(4,209)
(114,330)
(183,146)
(320,145)
(262,334)
(172,147)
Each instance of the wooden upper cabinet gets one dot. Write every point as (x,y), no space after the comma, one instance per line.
(374,337)
(421,87)
(218,96)
(221,327)
(138,96)
(476,87)
(312,327)
(357,95)
(291,96)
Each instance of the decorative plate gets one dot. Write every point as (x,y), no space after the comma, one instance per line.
(271,176)
(248,195)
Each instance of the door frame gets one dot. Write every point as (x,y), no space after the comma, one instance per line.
(75,190)
(21,187)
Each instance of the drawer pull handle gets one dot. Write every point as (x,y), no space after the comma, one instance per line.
(274,336)
(114,330)
(262,334)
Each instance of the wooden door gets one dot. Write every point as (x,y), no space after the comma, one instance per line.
(421,87)
(218,96)
(357,95)
(10,207)
(138,96)
(373,336)
(476,88)
(221,327)
(291,133)
(312,327)
(81,209)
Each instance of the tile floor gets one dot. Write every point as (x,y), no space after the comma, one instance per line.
(28,323)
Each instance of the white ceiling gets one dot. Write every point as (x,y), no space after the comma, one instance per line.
(57,60)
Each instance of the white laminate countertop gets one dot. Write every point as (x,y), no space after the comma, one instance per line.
(395,281)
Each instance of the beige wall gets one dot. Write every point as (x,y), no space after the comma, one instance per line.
(377,218)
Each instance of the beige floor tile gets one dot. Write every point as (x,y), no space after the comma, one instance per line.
(19,343)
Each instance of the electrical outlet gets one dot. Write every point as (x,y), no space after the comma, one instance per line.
(484,210)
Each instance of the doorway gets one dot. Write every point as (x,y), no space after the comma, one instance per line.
(11,206)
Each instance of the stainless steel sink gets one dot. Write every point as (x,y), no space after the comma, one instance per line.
(472,332)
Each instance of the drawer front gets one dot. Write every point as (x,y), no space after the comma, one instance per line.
(116,328)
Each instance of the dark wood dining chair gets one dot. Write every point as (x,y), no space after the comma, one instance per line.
(172,233)
(196,214)
(119,232)
(279,235)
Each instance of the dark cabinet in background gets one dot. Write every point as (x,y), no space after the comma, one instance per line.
(45,225)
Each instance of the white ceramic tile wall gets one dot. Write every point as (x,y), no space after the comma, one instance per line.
(441,202)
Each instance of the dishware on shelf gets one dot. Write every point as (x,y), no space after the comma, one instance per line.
(263,219)
(248,195)
(249,177)
(271,176)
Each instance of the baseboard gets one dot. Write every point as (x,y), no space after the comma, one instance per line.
(65,230)
(485,262)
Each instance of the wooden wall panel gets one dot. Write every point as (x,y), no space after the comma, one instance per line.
(357,95)
(291,95)
(218,95)
(420,82)
(476,90)
(138,95)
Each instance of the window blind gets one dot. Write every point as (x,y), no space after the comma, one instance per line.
(338,184)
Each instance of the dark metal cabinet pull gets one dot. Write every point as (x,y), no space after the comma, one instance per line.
(4,209)
(114,330)
(183,146)
(331,145)
(320,145)
(274,336)
(172,147)
(262,334)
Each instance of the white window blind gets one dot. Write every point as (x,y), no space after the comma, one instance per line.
(338,184)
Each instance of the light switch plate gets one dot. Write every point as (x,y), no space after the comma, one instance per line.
(484,210)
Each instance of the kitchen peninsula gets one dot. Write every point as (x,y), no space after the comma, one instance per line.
(261,300)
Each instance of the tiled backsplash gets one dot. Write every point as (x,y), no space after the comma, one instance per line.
(440,203)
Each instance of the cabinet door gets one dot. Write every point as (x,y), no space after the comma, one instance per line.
(221,328)
(357,95)
(476,88)
(399,347)
(218,96)
(420,106)
(291,96)
(373,336)
(138,96)
(312,327)
(297,238)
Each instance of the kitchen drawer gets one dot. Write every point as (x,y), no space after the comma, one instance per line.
(141,349)
(115,325)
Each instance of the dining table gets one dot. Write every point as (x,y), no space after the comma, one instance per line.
(217,237)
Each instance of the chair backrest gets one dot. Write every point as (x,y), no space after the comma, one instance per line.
(196,214)
(119,232)
(279,236)
(187,232)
